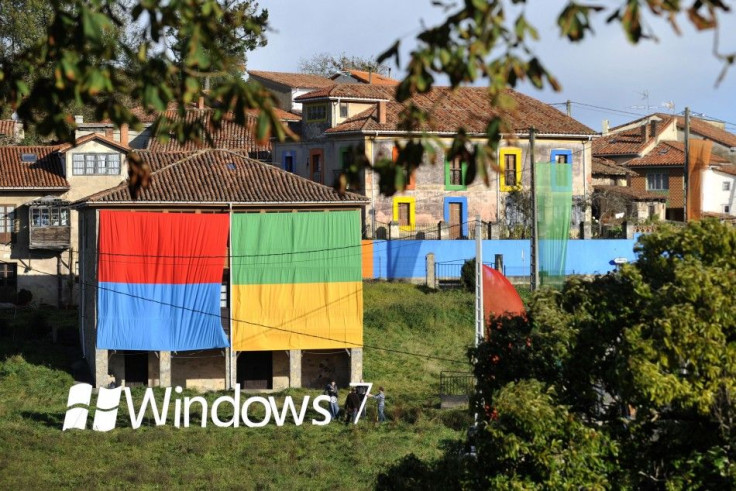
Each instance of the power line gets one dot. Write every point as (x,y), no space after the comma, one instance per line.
(256,324)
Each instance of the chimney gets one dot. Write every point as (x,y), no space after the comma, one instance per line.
(381,112)
(109,133)
(200,102)
(645,132)
(654,124)
(370,76)
(605,126)
(78,119)
(124,134)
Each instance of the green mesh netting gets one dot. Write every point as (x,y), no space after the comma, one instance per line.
(554,205)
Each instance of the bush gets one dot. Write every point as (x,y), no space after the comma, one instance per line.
(467,275)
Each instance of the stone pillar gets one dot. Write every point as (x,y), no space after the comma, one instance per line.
(431,277)
(628,229)
(295,368)
(233,374)
(393,231)
(164,368)
(499,262)
(495,230)
(101,377)
(356,365)
(441,230)
(228,362)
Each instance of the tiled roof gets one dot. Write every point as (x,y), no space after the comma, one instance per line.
(230,135)
(628,142)
(467,107)
(7,127)
(222,176)
(667,153)
(606,167)
(293,80)
(45,173)
(708,131)
(371,77)
(97,137)
(638,195)
(726,169)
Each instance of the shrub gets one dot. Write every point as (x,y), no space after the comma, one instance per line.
(467,275)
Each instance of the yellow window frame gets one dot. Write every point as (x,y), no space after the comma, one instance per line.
(412,211)
(502,164)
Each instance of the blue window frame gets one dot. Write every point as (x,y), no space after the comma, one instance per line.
(561,178)
(287,160)
(464,202)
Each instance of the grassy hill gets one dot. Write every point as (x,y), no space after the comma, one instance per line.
(35,376)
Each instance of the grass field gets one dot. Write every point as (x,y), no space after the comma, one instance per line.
(35,376)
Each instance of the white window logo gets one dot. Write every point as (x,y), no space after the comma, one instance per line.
(106,410)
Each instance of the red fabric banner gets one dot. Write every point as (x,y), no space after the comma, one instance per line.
(162,248)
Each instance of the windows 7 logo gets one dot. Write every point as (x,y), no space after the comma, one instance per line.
(106,410)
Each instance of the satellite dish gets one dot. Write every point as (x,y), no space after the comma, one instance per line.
(620,260)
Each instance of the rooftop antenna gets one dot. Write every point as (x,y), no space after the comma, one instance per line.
(670,106)
(645,97)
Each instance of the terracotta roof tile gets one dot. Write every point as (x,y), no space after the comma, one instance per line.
(293,80)
(708,131)
(606,167)
(467,107)
(375,78)
(7,127)
(46,172)
(667,153)
(97,137)
(638,195)
(222,176)
(230,135)
(726,169)
(629,142)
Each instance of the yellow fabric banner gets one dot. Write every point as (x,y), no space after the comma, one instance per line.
(297,316)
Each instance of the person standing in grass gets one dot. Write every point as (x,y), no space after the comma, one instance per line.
(352,404)
(381,397)
(331,390)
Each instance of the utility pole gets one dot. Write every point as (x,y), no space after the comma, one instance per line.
(685,177)
(479,318)
(534,259)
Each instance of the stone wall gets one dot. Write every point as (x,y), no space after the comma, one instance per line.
(320,367)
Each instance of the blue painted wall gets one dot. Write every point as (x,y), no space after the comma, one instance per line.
(406,259)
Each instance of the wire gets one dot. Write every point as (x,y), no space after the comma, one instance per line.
(256,324)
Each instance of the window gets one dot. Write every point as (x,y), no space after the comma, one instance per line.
(561,156)
(49,216)
(346,157)
(658,181)
(288,161)
(7,223)
(9,276)
(561,174)
(726,209)
(726,186)
(28,158)
(455,172)
(510,160)
(315,165)
(343,109)
(316,113)
(96,164)
(410,183)
(404,213)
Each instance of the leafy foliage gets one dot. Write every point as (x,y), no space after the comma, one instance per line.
(633,370)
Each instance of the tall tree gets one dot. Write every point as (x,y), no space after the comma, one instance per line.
(630,377)
(326,65)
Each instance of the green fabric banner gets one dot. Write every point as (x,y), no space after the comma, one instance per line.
(554,208)
(304,247)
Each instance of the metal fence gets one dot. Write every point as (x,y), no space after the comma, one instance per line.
(456,384)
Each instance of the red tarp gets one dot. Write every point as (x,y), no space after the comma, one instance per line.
(499,295)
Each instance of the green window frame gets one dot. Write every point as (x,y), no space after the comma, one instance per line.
(316,113)
(455,175)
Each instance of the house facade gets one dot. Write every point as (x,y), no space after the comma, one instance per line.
(653,146)
(287,308)
(346,121)
(39,240)
(287,87)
